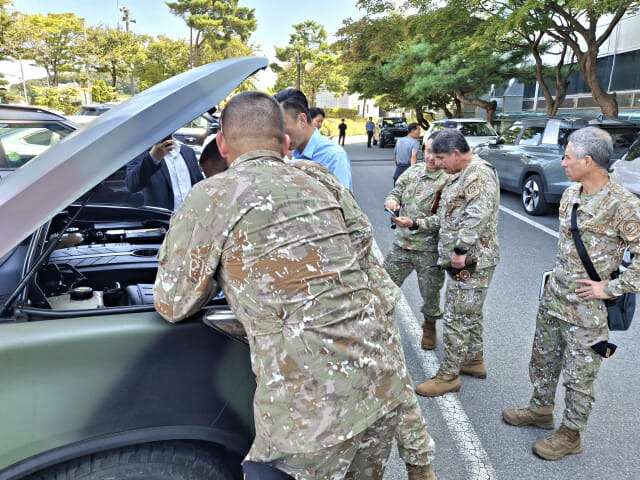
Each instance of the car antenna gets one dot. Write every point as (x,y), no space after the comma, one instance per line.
(53,243)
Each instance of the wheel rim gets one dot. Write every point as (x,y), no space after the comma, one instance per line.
(530,195)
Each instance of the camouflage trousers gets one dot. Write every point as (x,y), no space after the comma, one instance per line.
(400,262)
(363,456)
(559,346)
(462,323)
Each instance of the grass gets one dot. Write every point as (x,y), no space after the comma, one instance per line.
(354,127)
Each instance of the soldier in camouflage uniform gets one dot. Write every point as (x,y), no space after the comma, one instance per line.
(415,244)
(572,316)
(468,233)
(330,374)
(415,446)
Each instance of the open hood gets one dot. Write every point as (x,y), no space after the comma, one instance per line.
(42,188)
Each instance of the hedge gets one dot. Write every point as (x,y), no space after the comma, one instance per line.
(349,113)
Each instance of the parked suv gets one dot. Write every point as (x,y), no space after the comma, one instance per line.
(93,381)
(528,156)
(388,130)
(626,171)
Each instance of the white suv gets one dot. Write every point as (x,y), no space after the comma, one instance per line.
(475,130)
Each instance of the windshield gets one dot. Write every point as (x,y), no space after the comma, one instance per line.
(92,112)
(476,129)
(22,142)
(394,122)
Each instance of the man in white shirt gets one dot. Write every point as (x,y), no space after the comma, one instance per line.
(164,174)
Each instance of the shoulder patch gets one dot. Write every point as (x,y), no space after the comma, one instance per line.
(472,189)
(630,228)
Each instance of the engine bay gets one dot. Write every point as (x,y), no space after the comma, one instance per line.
(101,264)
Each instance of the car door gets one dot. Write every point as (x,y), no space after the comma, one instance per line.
(501,155)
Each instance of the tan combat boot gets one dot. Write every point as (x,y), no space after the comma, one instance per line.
(439,385)
(476,367)
(420,472)
(563,442)
(429,334)
(520,417)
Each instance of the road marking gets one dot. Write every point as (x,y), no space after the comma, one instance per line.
(530,222)
(469,445)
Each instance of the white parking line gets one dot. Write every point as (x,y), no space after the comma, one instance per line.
(529,221)
(469,445)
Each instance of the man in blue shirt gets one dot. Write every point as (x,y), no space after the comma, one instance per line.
(306,140)
(370,126)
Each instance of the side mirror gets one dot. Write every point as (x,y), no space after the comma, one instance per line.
(493,141)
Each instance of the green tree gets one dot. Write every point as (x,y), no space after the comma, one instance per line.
(53,41)
(571,24)
(101,92)
(65,99)
(309,39)
(215,22)
(114,51)
(163,58)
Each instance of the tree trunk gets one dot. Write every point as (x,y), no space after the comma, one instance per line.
(114,76)
(606,101)
(197,50)
(490,107)
(420,118)
(458,111)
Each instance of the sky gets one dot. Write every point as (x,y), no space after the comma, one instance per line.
(274,18)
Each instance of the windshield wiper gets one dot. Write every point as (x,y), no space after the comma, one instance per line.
(51,246)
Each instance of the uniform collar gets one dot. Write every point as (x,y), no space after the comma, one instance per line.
(245,157)
(310,148)
(603,192)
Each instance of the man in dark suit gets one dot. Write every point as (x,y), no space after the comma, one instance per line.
(164,174)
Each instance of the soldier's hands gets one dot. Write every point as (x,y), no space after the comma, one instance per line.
(458,261)
(391,205)
(592,289)
(161,149)
(403,222)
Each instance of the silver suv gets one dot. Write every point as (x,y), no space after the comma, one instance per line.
(528,156)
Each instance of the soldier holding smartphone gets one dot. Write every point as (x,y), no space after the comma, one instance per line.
(415,244)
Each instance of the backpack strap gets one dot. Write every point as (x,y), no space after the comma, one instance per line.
(582,251)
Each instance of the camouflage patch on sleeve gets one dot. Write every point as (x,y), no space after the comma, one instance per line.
(472,189)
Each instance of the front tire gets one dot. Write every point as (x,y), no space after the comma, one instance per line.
(150,461)
(533,201)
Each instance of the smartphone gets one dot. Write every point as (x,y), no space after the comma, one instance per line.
(390,212)
(168,137)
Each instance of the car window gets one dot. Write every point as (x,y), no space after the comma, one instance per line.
(531,136)
(563,136)
(623,138)
(437,127)
(510,135)
(634,151)
(21,142)
(476,129)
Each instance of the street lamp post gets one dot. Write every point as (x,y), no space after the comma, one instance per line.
(308,67)
(127,20)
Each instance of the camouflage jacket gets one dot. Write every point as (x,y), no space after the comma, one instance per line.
(325,357)
(417,190)
(609,222)
(470,205)
(360,233)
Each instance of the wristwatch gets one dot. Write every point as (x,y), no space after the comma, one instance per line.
(459,250)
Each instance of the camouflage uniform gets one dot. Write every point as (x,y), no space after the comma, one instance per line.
(416,191)
(470,203)
(566,325)
(328,364)
(415,446)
